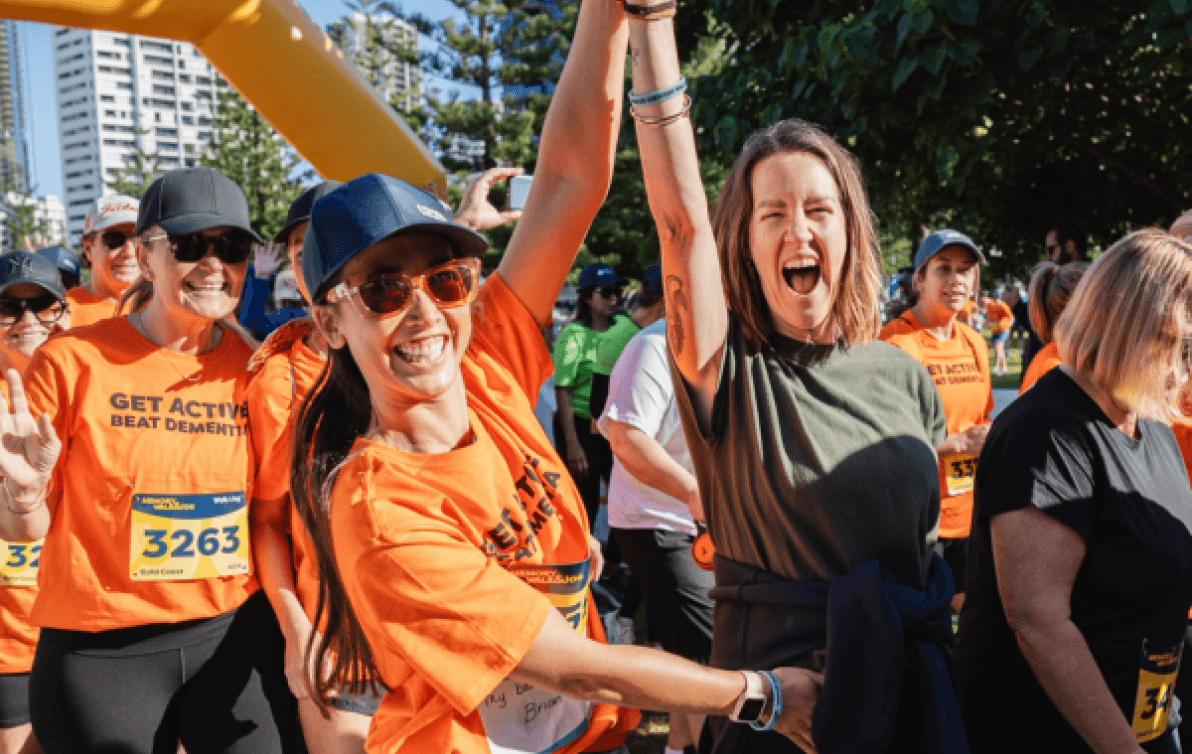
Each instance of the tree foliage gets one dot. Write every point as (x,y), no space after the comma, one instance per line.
(245,148)
(22,220)
(140,169)
(998,117)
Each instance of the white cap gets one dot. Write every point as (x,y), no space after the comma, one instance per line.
(285,287)
(113,209)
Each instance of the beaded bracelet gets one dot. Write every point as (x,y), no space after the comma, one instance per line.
(658,121)
(776,693)
(659,96)
(651,12)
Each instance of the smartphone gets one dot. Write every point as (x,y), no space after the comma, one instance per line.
(519,189)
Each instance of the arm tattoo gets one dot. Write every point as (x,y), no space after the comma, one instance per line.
(676,299)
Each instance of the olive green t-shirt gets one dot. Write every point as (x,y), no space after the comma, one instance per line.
(819,458)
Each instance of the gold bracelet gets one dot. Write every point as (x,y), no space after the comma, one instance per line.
(660,121)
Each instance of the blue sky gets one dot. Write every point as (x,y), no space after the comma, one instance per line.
(38,67)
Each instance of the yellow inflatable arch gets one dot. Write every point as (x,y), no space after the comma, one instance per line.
(282,63)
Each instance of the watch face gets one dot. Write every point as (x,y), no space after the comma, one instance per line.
(751,710)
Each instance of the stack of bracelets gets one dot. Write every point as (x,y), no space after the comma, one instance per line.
(655,13)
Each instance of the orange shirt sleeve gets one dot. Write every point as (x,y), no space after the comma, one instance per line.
(431,597)
(508,333)
(270,401)
(1047,359)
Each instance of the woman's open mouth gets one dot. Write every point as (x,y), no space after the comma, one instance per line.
(802,277)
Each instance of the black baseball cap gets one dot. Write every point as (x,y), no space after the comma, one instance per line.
(367,210)
(300,209)
(20,266)
(192,200)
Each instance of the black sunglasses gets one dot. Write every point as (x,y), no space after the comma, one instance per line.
(47,309)
(114,239)
(232,247)
(610,291)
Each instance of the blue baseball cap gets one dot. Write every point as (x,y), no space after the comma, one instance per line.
(369,209)
(936,242)
(21,266)
(300,210)
(652,283)
(62,257)
(598,275)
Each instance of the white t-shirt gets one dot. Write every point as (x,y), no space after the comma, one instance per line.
(641,394)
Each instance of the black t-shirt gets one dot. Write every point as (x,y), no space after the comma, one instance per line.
(1130,500)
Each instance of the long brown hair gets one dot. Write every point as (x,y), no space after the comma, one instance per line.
(855,305)
(336,412)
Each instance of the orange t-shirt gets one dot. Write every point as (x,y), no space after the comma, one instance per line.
(18,635)
(960,369)
(86,309)
(149,499)
(1047,359)
(279,384)
(425,543)
(999,315)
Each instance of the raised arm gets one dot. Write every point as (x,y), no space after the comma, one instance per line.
(27,458)
(575,161)
(697,316)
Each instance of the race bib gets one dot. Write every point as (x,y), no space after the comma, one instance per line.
(1157,672)
(519,717)
(959,473)
(189,537)
(18,566)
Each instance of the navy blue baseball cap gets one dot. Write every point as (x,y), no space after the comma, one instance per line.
(598,275)
(367,210)
(936,242)
(62,257)
(300,210)
(18,267)
(652,283)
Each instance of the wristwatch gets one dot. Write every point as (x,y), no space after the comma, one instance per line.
(752,701)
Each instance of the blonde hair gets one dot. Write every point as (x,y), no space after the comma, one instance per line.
(855,304)
(1124,328)
(1052,286)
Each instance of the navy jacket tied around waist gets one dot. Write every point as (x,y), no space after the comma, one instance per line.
(886,642)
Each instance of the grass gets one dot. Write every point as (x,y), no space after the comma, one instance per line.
(1011,380)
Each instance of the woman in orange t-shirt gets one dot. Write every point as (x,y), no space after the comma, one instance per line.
(946,274)
(453,547)
(1000,319)
(1052,287)
(31,310)
(282,373)
(137,473)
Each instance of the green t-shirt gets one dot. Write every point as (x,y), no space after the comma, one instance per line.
(612,342)
(574,357)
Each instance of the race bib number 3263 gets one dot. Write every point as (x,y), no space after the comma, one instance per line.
(188,537)
(18,563)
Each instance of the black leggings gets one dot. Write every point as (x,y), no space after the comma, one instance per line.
(600,461)
(216,685)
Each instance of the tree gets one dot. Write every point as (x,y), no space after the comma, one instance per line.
(995,116)
(139,170)
(245,148)
(22,219)
(375,47)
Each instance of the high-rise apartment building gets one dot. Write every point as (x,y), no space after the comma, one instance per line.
(394,78)
(118,93)
(14,149)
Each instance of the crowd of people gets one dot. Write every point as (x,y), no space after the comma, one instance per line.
(357,536)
